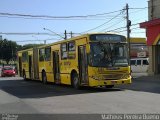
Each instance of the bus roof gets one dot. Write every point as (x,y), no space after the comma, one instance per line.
(77,37)
(70,39)
(29,49)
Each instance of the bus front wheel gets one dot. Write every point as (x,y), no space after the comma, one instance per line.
(44,78)
(75,81)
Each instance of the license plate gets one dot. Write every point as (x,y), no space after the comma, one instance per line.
(113,82)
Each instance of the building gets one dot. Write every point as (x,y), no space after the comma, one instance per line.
(153,36)
(138,48)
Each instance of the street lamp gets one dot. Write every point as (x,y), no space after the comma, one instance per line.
(53,32)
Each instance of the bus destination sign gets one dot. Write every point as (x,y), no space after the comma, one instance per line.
(107,38)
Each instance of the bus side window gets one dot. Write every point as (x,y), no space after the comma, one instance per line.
(48,54)
(138,62)
(64,52)
(133,62)
(71,46)
(24,56)
(145,62)
(41,54)
(71,50)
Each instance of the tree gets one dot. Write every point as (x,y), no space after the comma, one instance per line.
(8,50)
(1,50)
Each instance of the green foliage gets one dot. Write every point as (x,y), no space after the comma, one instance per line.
(8,50)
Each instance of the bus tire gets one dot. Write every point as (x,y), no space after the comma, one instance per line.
(44,77)
(75,81)
(109,86)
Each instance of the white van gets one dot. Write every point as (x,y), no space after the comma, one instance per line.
(139,65)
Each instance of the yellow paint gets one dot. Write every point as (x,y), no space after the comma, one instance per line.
(156,40)
(138,40)
(46,65)
(65,79)
(68,65)
(95,83)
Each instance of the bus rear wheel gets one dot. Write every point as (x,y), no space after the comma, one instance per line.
(75,81)
(44,78)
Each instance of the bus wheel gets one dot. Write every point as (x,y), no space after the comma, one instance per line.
(75,81)
(44,78)
(109,86)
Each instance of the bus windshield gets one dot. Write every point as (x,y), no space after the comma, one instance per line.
(108,54)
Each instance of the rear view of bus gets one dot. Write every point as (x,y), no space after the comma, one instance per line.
(108,61)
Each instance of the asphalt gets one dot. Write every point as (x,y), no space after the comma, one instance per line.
(145,84)
(32,97)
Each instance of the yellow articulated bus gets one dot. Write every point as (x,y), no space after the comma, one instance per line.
(99,59)
(24,63)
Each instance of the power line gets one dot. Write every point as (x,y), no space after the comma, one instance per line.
(104,18)
(102,24)
(139,8)
(122,27)
(18,33)
(112,25)
(146,7)
(138,32)
(54,17)
(135,24)
(36,40)
(135,28)
(126,30)
(115,29)
(39,34)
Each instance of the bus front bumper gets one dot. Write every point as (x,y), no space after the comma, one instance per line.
(95,83)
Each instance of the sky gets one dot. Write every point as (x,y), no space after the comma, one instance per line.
(78,16)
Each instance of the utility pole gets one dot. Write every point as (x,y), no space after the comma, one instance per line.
(71,34)
(128,29)
(44,41)
(65,34)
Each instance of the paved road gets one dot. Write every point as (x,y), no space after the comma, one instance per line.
(137,75)
(149,84)
(29,97)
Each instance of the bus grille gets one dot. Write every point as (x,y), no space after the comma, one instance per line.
(115,76)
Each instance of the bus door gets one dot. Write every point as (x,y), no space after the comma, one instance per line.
(56,69)
(35,64)
(30,66)
(20,65)
(83,67)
